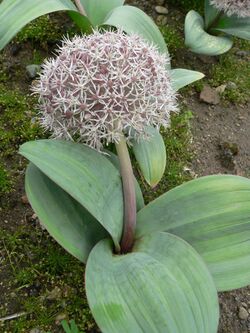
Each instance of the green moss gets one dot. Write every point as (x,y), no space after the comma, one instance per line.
(5,181)
(172,38)
(16,124)
(39,30)
(177,140)
(232,68)
(46,280)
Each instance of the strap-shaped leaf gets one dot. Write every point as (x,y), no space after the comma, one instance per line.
(199,41)
(212,214)
(65,219)
(151,156)
(183,77)
(133,20)
(84,174)
(15,14)
(163,286)
(139,197)
(97,10)
(235,26)
(211,13)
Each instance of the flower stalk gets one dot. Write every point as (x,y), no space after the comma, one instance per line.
(80,7)
(129,197)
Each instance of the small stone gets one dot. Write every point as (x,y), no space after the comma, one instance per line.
(24,200)
(242,53)
(161,20)
(161,10)
(33,70)
(220,89)
(14,49)
(60,317)
(243,314)
(231,85)
(209,95)
(35,330)
(54,294)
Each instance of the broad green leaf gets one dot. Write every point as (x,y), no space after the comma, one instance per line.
(163,286)
(133,20)
(211,13)
(97,10)
(139,197)
(151,156)
(84,174)
(81,21)
(183,77)
(64,218)
(199,41)
(239,27)
(15,14)
(212,214)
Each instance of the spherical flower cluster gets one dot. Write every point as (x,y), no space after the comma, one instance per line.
(103,84)
(240,8)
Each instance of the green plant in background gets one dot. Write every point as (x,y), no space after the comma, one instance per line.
(70,328)
(223,19)
(153,268)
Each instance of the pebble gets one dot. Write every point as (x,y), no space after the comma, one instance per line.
(231,85)
(161,20)
(243,314)
(24,200)
(209,95)
(220,89)
(60,317)
(161,10)
(33,70)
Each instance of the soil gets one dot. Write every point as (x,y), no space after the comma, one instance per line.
(221,144)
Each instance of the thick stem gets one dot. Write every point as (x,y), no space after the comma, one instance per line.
(80,7)
(129,197)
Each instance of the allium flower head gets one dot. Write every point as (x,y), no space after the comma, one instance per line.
(240,8)
(102,84)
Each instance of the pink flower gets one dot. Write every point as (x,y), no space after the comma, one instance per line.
(103,84)
(240,8)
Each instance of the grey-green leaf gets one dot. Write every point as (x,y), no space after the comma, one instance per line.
(151,156)
(97,10)
(65,219)
(183,77)
(211,13)
(235,26)
(213,214)
(133,20)
(163,286)
(15,14)
(84,174)
(139,197)
(199,41)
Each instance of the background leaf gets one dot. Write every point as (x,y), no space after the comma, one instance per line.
(235,26)
(97,10)
(199,41)
(84,174)
(151,156)
(183,77)
(213,215)
(162,286)
(65,219)
(15,14)
(211,13)
(133,20)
